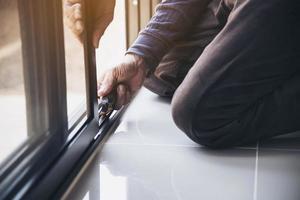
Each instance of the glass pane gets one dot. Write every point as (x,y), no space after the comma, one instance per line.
(75,69)
(12,95)
(113,42)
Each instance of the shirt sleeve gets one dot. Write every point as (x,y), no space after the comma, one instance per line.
(171,21)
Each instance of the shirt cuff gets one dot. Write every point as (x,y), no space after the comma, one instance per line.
(150,48)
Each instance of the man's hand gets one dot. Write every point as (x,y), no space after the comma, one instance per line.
(102,15)
(127,78)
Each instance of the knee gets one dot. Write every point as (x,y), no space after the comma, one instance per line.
(184,118)
(189,120)
(180,113)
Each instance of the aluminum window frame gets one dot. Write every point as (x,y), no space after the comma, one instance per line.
(44,166)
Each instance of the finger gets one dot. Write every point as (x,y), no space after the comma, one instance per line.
(107,84)
(79,27)
(73,11)
(100,80)
(74,19)
(121,96)
(98,88)
(101,77)
(76,27)
(73,1)
(77,12)
(78,32)
(128,97)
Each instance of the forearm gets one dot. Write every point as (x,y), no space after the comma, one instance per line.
(172,20)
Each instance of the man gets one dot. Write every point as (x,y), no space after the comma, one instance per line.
(234,66)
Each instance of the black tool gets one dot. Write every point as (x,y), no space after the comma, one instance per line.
(106,105)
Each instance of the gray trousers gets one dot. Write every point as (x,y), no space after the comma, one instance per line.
(236,76)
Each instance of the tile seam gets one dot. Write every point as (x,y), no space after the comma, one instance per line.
(256,173)
(176,145)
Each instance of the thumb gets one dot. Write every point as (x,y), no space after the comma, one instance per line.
(107,84)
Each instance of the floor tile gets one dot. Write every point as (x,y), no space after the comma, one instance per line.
(278,176)
(289,141)
(132,172)
(148,121)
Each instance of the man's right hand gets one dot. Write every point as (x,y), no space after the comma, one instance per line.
(127,78)
(102,15)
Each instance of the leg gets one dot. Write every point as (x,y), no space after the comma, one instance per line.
(175,65)
(246,84)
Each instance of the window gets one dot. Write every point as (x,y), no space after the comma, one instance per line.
(12,96)
(59,84)
(75,72)
(113,42)
(48,89)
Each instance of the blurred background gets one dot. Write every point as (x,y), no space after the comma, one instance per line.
(12,96)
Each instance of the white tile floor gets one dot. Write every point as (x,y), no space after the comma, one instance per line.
(148,158)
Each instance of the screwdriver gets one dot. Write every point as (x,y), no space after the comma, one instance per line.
(107,104)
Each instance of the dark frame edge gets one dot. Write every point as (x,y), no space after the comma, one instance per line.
(62,173)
